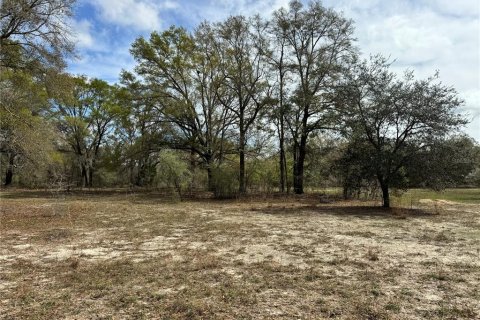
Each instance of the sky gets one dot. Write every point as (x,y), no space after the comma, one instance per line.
(421,35)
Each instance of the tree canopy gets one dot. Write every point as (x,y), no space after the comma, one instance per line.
(39,29)
(394,120)
(247,104)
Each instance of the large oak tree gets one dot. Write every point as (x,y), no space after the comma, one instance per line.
(395,121)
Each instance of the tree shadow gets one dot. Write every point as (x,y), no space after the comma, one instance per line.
(340,209)
(276,204)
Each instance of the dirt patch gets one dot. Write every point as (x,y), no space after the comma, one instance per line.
(122,256)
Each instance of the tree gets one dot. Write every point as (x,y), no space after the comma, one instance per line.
(445,163)
(38,29)
(139,135)
(25,136)
(34,39)
(396,120)
(85,114)
(319,47)
(473,177)
(278,60)
(243,48)
(182,73)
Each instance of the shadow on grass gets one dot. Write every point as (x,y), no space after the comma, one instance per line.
(162,195)
(341,209)
(277,203)
(19,194)
(86,194)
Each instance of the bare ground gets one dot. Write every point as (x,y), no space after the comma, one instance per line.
(133,256)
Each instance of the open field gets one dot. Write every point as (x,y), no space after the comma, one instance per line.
(457,195)
(136,256)
(413,197)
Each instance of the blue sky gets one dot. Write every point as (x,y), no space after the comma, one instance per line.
(424,35)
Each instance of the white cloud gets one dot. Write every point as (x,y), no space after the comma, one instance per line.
(169,5)
(217,10)
(455,8)
(142,15)
(103,65)
(424,35)
(82,33)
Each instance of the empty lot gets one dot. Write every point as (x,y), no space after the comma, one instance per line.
(137,256)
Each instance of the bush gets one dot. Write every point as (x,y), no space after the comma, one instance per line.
(263,174)
(225,182)
(172,172)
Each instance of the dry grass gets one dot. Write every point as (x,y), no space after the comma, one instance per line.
(117,256)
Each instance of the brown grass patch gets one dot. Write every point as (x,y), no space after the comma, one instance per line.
(138,256)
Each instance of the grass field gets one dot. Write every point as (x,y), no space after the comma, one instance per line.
(137,256)
(456,195)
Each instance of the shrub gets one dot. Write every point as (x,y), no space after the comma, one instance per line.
(225,182)
(172,171)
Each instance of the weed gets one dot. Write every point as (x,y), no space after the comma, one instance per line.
(372,254)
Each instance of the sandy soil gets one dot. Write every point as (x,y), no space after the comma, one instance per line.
(132,256)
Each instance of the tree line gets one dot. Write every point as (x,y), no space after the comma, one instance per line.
(231,107)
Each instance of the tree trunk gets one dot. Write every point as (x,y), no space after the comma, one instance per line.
(285,172)
(9,172)
(90,177)
(281,131)
(385,195)
(283,159)
(87,174)
(242,188)
(139,179)
(131,173)
(193,167)
(299,163)
(295,164)
(346,193)
(210,184)
(84,176)
(282,167)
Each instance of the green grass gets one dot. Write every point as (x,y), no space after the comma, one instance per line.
(462,195)
(457,195)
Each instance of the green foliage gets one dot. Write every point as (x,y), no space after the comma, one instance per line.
(179,83)
(84,112)
(26,138)
(474,177)
(172,172)
(323,154)
(263,174)
(446,163)
(225,182)
(213,98)
(393,123)
(354,171)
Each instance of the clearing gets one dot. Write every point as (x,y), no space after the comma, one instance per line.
(118,255)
